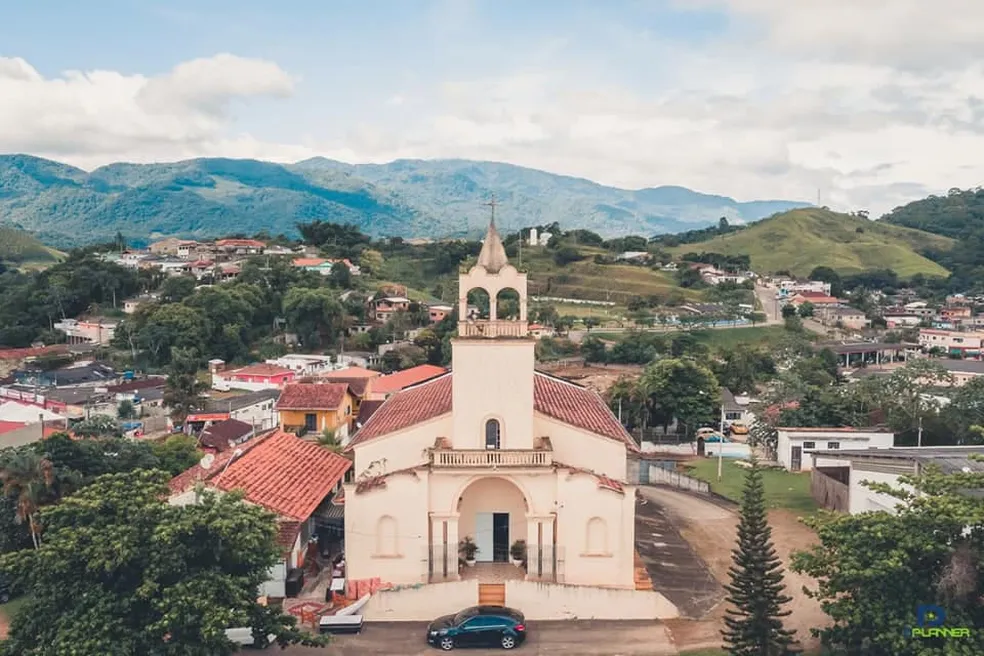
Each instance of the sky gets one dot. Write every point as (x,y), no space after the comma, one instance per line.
(866,104)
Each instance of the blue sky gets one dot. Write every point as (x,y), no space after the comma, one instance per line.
(751,98)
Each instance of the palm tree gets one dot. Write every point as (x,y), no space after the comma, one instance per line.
(30,479)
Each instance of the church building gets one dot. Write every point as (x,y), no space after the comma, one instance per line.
(494,453)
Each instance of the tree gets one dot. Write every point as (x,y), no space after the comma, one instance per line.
(183,390)
(757,317)
(314,314)
(593,349)
(121,572)
(340,276)
(97,426)
(681,389)
(754,623)
(591,322)
(126,410)
(805,310)
(177,288)
(873,570)
(370,262)
(28,478)
(176,454)
(788,311)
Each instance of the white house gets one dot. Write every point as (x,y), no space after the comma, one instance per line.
(795,444)
(496,452)
(304,364)
(853,468)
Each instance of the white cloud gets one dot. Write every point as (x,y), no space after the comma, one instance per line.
(874,103)
(92,117)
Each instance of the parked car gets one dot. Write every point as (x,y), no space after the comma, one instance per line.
(739,428)
(478,626)
(710,435)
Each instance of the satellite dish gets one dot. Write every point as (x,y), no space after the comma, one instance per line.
(206,461)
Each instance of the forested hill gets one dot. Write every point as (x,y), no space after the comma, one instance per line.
(958,215)
(202,198)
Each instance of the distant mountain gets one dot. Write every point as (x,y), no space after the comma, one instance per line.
(801,239)
(409,198)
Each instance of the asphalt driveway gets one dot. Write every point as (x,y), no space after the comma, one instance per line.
(573,638)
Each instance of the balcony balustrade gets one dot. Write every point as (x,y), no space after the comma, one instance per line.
(483,459)
(498,328)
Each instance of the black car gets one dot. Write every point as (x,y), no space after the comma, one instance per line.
(478,626)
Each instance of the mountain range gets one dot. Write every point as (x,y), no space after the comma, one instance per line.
(64,205)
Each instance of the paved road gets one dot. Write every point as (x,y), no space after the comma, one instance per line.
(770,306)
(574,638)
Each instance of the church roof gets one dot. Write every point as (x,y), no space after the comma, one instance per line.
(493,255)
(553,397)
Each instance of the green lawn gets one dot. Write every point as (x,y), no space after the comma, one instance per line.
(12,607)
(783,489)
(725,338)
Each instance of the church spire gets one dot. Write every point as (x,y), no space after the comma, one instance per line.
(493,255)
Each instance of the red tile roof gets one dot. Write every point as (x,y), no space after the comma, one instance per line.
(309,261)
(287,534)
(409,407)
(240,242)
(357,386)
(553,397)
(578,406)
(21,353)
(188,478)
(401,379)
(312,396)
(352,372)
(285,474)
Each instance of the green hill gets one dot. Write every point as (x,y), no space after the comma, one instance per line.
(19,248)
(801,239)
(202,198)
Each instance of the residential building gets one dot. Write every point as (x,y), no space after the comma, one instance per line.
(80,374)
(843,316)
(225,435)
(201,268)
(956,313)
(292,478)
(857,354)
(167,246)
(496,452)
(538,331)
(438,312)
(304,364)
(95,331)
(734,409)
(839,477)
(317,407)
(253,377)
(239,247)
(817,299)
(317,264)
(258,409)
(962,371)
(793,287)
(130,305)
(900,319)
(952,342)
(920,309)
(794,444)
(187,249)
(382,309)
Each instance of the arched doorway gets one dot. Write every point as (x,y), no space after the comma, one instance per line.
(492,511)
(479,299)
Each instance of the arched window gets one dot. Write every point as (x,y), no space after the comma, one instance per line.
(596,539)
(492,434)
(386,538)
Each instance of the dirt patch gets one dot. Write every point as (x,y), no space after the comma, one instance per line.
(598,379)
(710,530)
(4,626)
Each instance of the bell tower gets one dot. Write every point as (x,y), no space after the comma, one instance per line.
(493,358)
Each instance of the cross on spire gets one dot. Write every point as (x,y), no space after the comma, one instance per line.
(492,204)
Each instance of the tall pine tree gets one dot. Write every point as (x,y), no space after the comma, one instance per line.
(754,622)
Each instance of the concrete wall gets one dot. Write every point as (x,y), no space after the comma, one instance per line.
(661,476)
(421,604)
(386,530)
(821,439)
(402,449)
(862,499)
(493,380)
(579,448)
(552,601)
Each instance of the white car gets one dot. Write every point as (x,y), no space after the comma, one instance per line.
(243,636)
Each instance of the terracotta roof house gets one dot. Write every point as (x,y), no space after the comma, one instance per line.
(814,298)
(499,453)
(384,386)
(290,477)
(316,408)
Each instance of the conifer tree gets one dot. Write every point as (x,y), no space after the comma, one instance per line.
(754,621)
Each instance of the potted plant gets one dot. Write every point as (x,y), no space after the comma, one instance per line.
(517,553)
(467,550)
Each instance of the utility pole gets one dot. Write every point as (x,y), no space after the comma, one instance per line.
(919,438)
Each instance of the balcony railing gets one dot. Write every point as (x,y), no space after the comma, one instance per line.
(491,458)
(498,328)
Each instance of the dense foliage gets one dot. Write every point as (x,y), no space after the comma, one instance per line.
(121,572)
(874,570)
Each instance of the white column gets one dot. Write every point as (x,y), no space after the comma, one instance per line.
(444,545)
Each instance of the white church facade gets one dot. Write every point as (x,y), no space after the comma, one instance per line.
(494,453)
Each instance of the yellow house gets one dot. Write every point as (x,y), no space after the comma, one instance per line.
(316,407)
